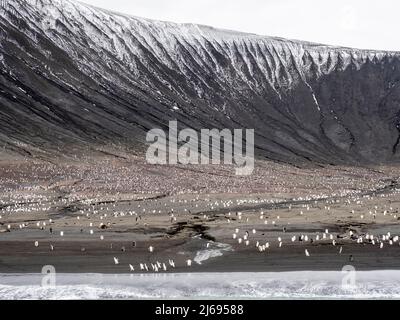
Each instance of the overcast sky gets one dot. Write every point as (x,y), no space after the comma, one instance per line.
(368,24)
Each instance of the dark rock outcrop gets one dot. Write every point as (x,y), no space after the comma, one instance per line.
(73,77)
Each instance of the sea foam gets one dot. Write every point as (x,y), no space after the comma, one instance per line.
(272,285)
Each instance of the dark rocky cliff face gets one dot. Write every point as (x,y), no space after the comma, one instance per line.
(73,76)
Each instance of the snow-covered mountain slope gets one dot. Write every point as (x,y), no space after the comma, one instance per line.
(74,76)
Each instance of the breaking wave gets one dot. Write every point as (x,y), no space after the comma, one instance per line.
(275,285)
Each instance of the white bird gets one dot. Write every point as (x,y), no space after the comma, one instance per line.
(36,244)
(101,237)
(164,267)
(151,249)
(381,245)
(340,250)
(91,231)
(172,263)
(293,238)
(116,261)
(141,266)
(61,233)
(131,267)
(234,236)
(189,262)
(307,253)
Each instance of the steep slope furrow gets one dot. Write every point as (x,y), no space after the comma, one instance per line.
(84,76)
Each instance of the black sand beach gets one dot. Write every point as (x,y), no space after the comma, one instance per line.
(78,219)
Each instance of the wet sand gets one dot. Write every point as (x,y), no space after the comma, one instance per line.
(18,257)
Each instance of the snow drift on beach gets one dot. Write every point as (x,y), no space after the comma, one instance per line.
(305,284)
(216,250)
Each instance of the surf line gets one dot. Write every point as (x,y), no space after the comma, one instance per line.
(165,310)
